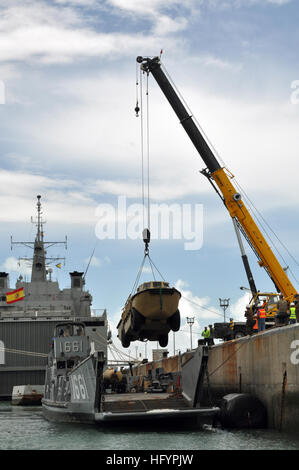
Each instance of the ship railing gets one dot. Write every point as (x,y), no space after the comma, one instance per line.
(96,311)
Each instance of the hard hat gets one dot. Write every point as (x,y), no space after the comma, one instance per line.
(247,306)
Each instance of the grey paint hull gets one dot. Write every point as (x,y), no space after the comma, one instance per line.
(34,336)
(161,417)
(54,412)
(76,396)
(69,414)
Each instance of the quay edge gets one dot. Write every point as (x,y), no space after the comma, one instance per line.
(265,365)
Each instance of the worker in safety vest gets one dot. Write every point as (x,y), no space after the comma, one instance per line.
(211,337)
(296,302)
(282,315)
(206,335)
(261,317)
(250,321)
(255,326)
(293,314)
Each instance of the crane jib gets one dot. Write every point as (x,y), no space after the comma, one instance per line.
(216,174)
(153,65)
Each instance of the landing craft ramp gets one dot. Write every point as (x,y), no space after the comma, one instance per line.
(162,407)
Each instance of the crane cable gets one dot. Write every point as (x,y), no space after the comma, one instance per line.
(261,219)
(144,142)
(237,184)
(144,136)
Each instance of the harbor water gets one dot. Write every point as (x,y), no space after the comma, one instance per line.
(24,428)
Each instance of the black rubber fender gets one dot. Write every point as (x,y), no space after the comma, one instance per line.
(242,411)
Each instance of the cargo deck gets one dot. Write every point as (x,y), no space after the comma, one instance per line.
(162,407)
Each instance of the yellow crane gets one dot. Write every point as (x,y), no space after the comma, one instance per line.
(222,179)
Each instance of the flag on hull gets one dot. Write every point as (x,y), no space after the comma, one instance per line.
(15,296)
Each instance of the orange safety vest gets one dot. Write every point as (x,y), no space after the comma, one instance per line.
(261,313)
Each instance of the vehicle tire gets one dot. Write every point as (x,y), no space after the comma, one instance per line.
(175,321)
(163,340)
(125,340)
(137,320)
(239,334)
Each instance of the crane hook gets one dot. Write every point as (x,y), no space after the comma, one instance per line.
(137,109)
(146,238)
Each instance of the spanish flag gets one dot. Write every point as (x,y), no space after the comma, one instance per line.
(15,296)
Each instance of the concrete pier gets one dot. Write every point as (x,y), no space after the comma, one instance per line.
(265,365)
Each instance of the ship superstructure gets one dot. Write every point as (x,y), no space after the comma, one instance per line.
(26,325)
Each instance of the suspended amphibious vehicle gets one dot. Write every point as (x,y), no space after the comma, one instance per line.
(152,311)
(150,314)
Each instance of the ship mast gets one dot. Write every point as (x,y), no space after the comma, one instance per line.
(38,272)
(39,220)
(39,260)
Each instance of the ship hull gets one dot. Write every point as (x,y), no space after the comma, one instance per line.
(65,413)
(77,396)
(161,418)
(25,347)
(27,395)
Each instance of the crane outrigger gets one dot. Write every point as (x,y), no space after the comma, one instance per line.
(221,180)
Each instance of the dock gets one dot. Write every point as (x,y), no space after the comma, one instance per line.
(265,365)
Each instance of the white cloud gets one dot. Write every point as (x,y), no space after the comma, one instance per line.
(37,31)
(224,4)
(13,265)
(63,200)
(97,262)
(279,2)
(163,14)
(191,305)
(237,309)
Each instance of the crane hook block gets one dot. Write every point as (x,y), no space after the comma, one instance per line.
(146,235)
(146,238)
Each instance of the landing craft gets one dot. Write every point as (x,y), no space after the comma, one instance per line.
(75,388)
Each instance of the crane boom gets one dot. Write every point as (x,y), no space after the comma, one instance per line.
(221,177)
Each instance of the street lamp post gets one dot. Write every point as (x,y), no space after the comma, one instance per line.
(173,343)
(224,303)
(190,321)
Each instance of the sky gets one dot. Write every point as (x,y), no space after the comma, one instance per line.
(69,133)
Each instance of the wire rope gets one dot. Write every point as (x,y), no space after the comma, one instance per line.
(257,212)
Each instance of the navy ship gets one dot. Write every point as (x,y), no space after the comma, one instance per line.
(75,388)
(30,310)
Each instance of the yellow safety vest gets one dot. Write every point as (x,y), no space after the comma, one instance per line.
(293,313)
(206,333)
